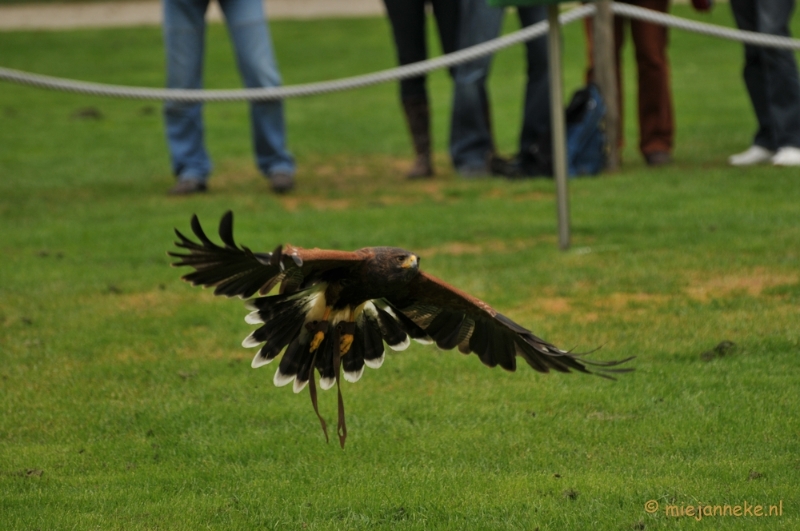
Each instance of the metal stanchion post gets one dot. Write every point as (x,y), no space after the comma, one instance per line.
(558,126)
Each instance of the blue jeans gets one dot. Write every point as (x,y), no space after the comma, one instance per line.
(471,140)
(184,36)
(770,74)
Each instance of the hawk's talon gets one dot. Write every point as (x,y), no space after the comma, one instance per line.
(319,328)
(316,341)
(345,342)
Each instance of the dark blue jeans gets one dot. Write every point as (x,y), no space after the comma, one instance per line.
(770,74)
(184,36)
(471,140)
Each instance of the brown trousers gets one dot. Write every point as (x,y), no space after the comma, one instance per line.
(656,119)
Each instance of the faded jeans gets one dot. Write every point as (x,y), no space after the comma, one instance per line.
(184,37)
(770,74)
(471,141)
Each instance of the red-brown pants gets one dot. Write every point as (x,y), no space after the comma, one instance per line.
(656,120)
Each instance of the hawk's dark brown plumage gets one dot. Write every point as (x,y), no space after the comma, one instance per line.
(337,308)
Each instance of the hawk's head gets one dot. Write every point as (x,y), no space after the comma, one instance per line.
(394,264)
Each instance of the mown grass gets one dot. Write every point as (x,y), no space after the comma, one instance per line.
(127,402)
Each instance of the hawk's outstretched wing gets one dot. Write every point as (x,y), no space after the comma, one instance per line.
(453,318)
(235,270)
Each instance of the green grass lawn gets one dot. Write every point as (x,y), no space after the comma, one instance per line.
(127,402)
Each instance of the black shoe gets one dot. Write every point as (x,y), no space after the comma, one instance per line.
(474,172)
(188,187)
(521,166)
(503,167)
(281,182)
(658,158)
(422,168)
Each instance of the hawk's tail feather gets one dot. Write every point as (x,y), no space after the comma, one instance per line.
(297,356)
(366,350)
(279,339)
(353,361)
(304,371)
(283,321)
(324,362)
(390,329)
(280,328)
(374,352)
(278,307)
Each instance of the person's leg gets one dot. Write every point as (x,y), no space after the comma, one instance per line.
(744,12)
(446,13)
(257,64)
(656,120)
(407,18)
(536,116)
(471,141)
(184,37)
(779,69)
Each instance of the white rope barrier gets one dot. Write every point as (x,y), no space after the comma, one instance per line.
(746,37)
(310,89)
(394,74)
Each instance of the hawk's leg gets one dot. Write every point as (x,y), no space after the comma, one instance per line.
(346,331)
(321,328)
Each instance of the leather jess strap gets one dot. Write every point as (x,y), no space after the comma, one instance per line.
(339,330)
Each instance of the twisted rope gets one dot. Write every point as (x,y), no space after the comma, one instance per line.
(394,74)
(294,91)
(746,37)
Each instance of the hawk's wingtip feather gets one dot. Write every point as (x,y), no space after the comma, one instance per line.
(226,230)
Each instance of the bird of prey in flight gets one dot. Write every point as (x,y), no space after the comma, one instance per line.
(334,310)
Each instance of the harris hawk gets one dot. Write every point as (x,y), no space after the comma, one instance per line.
(334,310)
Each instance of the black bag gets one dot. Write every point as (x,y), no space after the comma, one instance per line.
(586,139)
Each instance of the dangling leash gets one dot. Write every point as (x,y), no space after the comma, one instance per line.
(321,326)
(341,329)
(312,390)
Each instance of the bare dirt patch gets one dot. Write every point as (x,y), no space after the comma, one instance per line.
(292,203)
(339,182)
(554,305)
(626,301)
(517,196)
(753,283)
(137,354)
(588,308)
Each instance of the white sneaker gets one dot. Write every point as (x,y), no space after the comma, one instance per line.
(787,156)
(752,155)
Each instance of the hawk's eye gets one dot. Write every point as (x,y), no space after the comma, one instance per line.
(400,258)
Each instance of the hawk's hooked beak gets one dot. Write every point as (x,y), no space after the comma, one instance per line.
(411,261)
